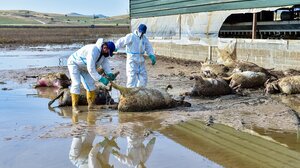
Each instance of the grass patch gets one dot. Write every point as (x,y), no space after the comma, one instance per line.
(16,20)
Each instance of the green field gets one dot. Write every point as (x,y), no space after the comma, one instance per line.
(8,20)
(24,17)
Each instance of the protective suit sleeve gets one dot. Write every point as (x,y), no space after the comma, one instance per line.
(148,47)
(122,42)
(106,66)
(91,63)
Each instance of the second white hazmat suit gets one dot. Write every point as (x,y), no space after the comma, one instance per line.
(136,45)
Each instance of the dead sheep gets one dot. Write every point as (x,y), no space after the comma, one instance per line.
(242,66)
(286,85)
(289,72)
(214,70)
(227,56)
(59,80)
(141,99)
(102,98)
(246,79)
(102,95)
(209,87)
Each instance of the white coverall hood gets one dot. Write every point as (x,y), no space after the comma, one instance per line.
(99,43)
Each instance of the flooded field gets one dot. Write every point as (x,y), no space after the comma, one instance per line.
(228,131)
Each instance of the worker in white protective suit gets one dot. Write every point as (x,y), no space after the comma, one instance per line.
(137,152)
(82,67)
(136,44)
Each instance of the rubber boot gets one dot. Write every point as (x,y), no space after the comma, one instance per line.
(75,100)
(90,96)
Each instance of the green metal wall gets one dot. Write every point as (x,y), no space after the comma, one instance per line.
(150,8)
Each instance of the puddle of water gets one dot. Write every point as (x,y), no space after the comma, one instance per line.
(34,57)
(27,118)
(291,140)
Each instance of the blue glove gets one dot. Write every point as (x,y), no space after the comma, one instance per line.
(104,81)
(153,59)
(111,76)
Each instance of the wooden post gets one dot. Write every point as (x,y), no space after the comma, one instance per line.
(254,24)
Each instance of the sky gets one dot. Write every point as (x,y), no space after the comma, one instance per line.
(86,7)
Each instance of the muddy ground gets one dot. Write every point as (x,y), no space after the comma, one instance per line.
(252,109)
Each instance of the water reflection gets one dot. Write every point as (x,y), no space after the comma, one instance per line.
(82,151)
(239,149)
(137,153)
(87,151)
(84,154)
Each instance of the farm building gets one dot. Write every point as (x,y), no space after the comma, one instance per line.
(266,32)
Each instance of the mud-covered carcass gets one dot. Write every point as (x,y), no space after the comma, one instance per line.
(214,70)
(286,85)
(228,57)
(64,97)
(285,73)
(103,96)
(141,99)
(59,80)
(246,79)
(209,87)
(242,66)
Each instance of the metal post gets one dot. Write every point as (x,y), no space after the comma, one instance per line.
(254,24)
(210,53)
(179,26)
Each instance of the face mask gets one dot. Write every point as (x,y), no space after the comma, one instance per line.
(140,34)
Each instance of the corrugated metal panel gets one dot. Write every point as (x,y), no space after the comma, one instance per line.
(149,8)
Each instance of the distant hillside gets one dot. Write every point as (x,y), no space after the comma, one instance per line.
(96,15)
(99,16)
(74,14)
(25,17)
